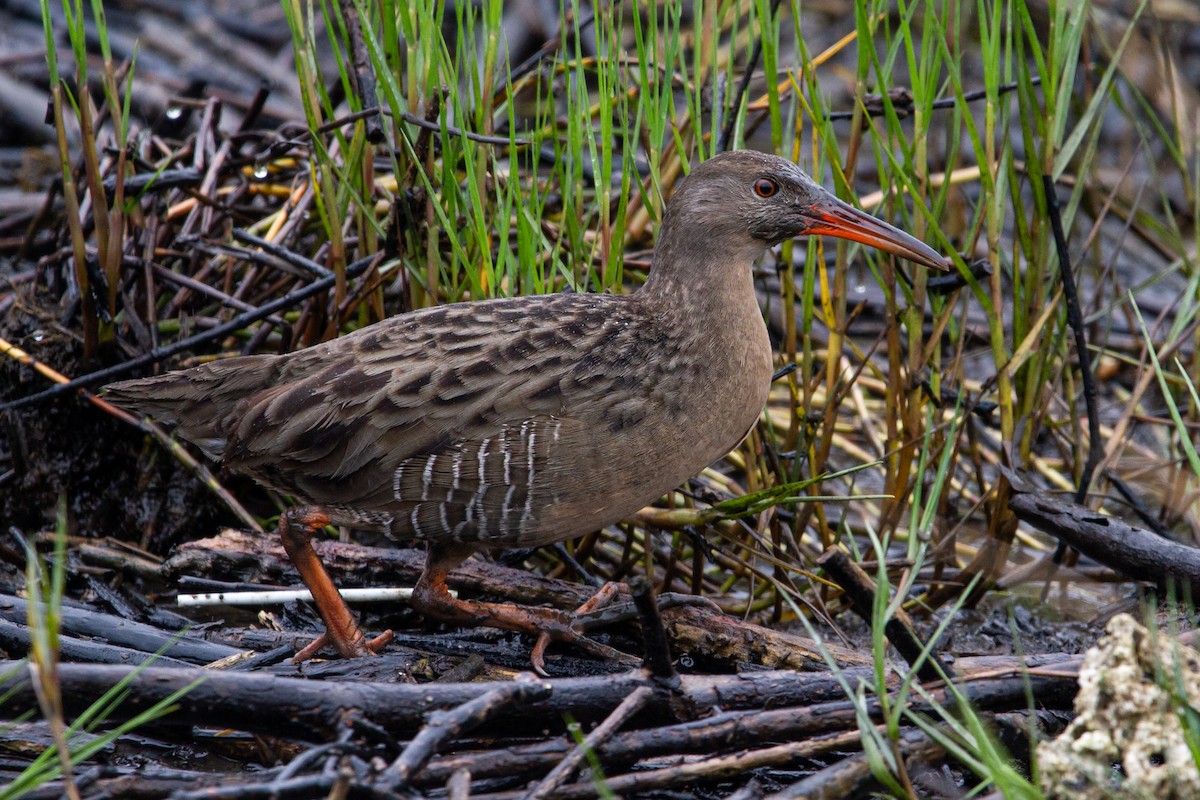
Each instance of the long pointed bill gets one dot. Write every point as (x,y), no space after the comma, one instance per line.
(832,217)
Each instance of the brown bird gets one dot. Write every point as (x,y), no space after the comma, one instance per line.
(524,421)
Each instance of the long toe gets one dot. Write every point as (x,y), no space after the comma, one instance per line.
(359,648)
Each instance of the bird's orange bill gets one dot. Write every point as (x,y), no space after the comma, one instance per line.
(832,217)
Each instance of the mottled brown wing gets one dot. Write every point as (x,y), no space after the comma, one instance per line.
(432,428)
(436,361)
(432,424)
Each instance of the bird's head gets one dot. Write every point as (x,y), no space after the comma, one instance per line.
(737,204)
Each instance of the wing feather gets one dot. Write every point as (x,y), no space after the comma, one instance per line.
(435,423)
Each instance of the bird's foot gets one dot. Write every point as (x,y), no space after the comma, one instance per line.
(550,625)
(599,600)
(432,598)
(600,611)
(357,647)
(610,614)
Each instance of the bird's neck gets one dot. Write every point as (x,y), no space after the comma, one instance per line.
(711,342)
(688,273)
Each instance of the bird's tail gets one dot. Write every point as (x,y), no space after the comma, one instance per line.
(202,402)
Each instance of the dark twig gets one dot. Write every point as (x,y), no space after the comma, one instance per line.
(364,71)
(860,590)
(562,771)
(565,556)
(1136,553)
(1075,322)
(624,611)
(310,757)
(293,258)
(235,324)
(657,653)
(854,776)
(1137,504)
(313,786)
(180,279)
(445,725)
(784,371)
(945,284)
(15,638)
(253,112)
(875,110)
(104,634)
(157,182)
(743,87)
(413,119)
(722,708)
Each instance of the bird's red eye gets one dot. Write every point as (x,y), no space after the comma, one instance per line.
(765,187)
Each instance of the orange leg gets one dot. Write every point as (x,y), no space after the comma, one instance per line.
(432,598)
(296,528)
